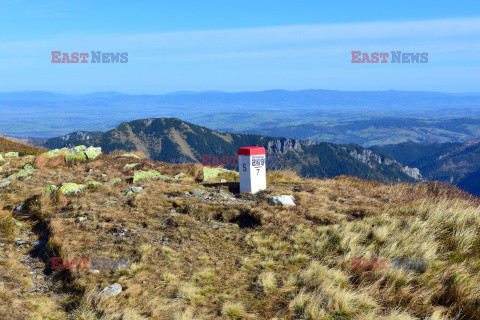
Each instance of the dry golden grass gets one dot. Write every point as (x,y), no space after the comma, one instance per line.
(191,258)
(42,161)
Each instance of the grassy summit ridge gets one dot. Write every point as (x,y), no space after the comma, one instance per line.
(199,250)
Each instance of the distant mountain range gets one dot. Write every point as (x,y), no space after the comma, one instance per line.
(174,140)
(297,100)
(45,114)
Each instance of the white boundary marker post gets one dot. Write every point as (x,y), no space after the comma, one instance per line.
(252,169)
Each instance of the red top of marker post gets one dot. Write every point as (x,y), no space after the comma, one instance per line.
(251,151)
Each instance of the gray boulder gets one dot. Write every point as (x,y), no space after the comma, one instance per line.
(282,200)
(112,290)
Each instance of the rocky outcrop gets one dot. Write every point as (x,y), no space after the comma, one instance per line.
(78,153)
(412,172)
(282,146)
(371,158)
(368,157)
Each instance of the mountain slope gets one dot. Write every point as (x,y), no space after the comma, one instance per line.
(456,163)
(176,141)
(380,131)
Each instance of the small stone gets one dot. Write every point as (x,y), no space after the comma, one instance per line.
(4,183)
(112,290)
(129,166)
(178,176)
(113,182)
(18,224)
(282,200)
(82,218)
(130,155)
(108,203)
(71,188)
(93,183)
(133,190)
(51,190)
(24,172)
(197,192)
(388,200)
(20,242)
(18,208)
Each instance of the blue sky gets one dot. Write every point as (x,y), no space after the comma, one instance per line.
(238,45)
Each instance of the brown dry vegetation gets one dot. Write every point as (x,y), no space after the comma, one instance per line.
(23,149)
(191,258)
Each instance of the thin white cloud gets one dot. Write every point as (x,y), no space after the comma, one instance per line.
(299,51)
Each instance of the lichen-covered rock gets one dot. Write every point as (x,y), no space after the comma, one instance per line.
(11,155)
(210,173)
(109,203)
(50,190)
(104,175)
(75,155)
(1,158)
(152,174)
(80,148)
(131,155)
(4,183)
(93,183)
(29,157)
(71,188)
(113,181)
(133,190)
(25,172)
(129,166)
(180,175)
(183,177)
(93,153)
(54,153)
